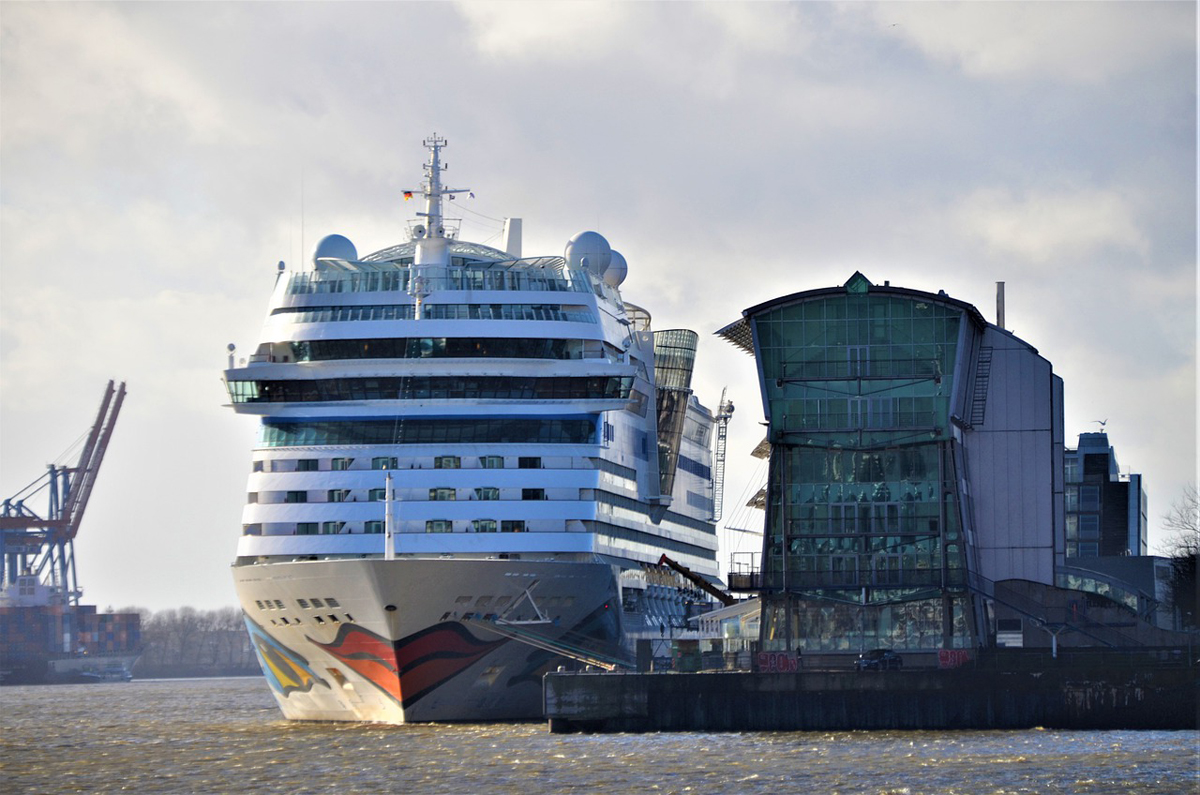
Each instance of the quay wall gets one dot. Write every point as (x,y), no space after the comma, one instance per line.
(839,700)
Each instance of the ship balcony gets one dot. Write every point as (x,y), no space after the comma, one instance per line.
(412,516)
(418,409)
(435,544)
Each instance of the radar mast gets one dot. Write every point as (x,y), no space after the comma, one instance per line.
(432,250)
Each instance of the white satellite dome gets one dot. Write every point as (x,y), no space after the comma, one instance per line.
(617,270)
(335,247)
(589,250)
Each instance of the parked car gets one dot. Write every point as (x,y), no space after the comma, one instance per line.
(878,660)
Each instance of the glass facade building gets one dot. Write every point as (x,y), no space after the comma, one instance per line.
(869,395)
(1106,512)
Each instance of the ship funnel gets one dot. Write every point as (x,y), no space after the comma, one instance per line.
(512,237)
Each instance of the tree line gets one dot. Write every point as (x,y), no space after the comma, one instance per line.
(189,642)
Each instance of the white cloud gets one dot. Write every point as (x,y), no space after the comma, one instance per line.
(86,69)
(1043,225)
(762,27)
(707,49)
(58,335)
(1084,42)
(535,30)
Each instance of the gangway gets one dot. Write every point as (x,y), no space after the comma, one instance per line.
(521,632)
(700,582)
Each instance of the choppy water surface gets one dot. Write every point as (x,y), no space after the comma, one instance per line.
(225,736)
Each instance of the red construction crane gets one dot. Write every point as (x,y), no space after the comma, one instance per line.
(31,544)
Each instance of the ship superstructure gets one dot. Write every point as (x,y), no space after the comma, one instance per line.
(468,467)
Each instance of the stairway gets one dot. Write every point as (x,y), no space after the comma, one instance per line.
(983,374)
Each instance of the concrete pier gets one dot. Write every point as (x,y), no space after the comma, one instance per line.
(839,700)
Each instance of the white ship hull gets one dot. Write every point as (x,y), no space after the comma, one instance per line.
(430,658)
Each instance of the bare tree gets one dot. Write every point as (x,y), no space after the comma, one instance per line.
(1182,545)
(191,642)
(156,636)
(1182,524)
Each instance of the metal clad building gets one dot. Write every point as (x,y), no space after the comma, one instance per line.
(1013,455)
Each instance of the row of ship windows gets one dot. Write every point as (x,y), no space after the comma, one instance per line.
(343,464)
(694,467)
(436,348)
(285,621)
(307,283)
(376,527)
(437,494)
(432,387)
(659,542)
(602,528)
(335,314)
(608,500)
(428,431)
(312,603)
(700,501)
(480,525)
(489,526)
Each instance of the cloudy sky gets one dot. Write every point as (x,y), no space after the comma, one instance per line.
(158,159)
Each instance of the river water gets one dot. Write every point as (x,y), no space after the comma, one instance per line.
(227,736)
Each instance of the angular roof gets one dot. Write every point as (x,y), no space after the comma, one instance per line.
(739,332)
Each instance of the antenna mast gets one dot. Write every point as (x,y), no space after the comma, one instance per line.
(432,255)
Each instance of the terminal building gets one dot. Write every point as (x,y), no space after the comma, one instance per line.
(915,496)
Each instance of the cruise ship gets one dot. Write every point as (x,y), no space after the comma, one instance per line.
(469,467)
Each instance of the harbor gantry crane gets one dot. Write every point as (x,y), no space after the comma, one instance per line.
(724,413)
(45,545)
